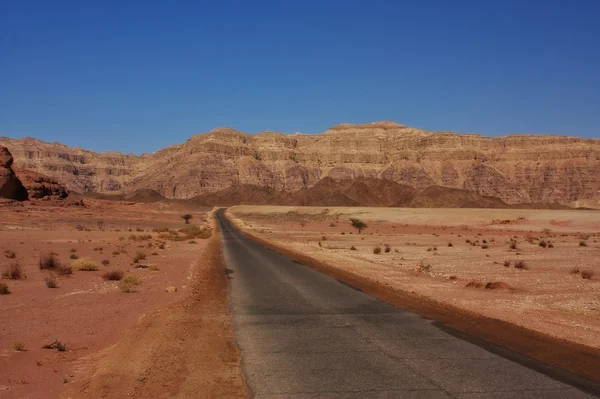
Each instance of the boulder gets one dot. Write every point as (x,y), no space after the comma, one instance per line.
(10,185)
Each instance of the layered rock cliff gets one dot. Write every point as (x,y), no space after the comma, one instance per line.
(516,168)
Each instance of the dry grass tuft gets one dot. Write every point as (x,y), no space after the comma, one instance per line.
(65,270)
(19,346)
(377,250)
(51,283)
(10,254)
(138,257)
(520,264)
(49,261)
(85,264)
(13,271)
(587,274)
(114,275)
(4,289)
(130,283)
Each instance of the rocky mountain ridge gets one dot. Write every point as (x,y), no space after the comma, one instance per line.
(515,168)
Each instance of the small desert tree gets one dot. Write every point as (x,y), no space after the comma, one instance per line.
(187,217)
(358,224)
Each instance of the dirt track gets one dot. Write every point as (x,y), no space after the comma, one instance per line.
(183,351)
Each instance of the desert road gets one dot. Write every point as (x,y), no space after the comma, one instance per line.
(302,334)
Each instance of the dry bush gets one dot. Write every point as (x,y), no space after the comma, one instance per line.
(51,282)
(513,245)
(129,283)
(85,264)
(587,274)
(520,264)
(73,256)
(13,271)
(474,284)
(4,289)
(484,246)
(353,248)
(114,275)
(19,346)
(105,262)
(377,250)
(575,270)
(64,270)
(10,254)
(387,248)
(550,245)
(162,229)
(138,257)
(582,243)
(49,261)
(59,346)
(145,237)
(506,263)
(543,244)
(450,244)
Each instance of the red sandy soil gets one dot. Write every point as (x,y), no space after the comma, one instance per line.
(85,311)
(546,297)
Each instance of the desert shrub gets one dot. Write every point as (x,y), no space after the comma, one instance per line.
(85,264)
(520,264)
(113,275)
(353,248)
(58,345)
(80,227)
(435,248)
(19,346)
(331,224)
(468,241)
(161,246)
(187,217)
(73,256)
(453,278)
(51,283)
(154,253)
(129,283)
(550,245)
(506,263)
(145,237)
(4,289)
(192,232)
(115,253)
(139,256)
(484,246)
(162,229)
(474,284)
(13,271)
(575,270)
(49,261)
(100,224)
(429,249)
(387,248)
(105,262)
(587,274)
(450,244)
(377,250)
(582,243)
(513,245)
(194,242)
(132,237)
(10,254)
(64,270)
(543,244)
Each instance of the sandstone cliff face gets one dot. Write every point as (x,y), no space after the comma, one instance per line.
(517,168)
(10,185)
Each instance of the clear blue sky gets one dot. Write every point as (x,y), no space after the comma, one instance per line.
(136,76)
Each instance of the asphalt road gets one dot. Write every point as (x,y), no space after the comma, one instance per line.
(302,334)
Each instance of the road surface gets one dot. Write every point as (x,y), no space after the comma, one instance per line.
(302,334)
